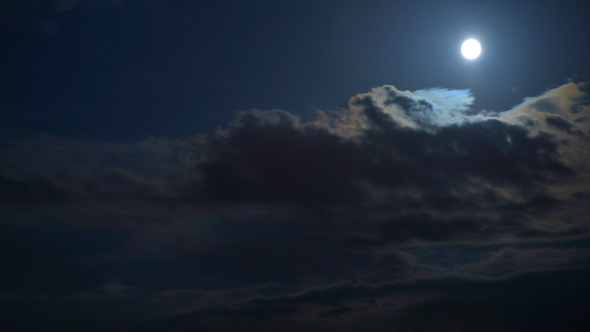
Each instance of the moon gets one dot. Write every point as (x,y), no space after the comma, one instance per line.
(471,49)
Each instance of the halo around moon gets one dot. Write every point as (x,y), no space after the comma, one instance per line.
(471,49)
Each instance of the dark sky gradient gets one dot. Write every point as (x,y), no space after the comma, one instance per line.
(302,166)
(126,70)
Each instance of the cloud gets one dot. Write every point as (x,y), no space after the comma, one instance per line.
(33,191)
(510,261)
(375,210)
(426,109)
(271,156)
(560,109)
(390,156)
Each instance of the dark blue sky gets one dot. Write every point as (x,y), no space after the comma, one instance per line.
(126,70)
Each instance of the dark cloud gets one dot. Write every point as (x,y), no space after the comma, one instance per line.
(262,160)
(529,303)
(37,190)
(423,227)
(508,261)
(386,210)
(268,156)
(558,122)
(546,105)
(442,305)
(540,233)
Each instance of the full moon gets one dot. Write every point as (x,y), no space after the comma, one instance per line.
(471,49)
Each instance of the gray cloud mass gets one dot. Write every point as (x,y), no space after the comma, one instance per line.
(363,218)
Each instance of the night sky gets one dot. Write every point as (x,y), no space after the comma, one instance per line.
(294,166)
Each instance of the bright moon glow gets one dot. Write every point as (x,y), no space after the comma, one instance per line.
(471,49)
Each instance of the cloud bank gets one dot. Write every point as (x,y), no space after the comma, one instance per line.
(371,217)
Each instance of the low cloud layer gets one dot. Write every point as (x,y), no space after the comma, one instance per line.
(380,211)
